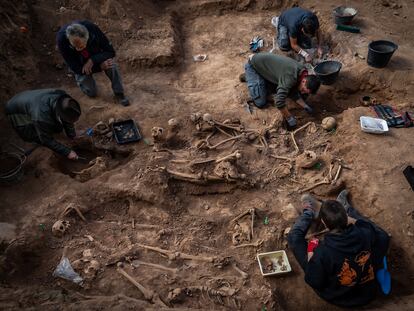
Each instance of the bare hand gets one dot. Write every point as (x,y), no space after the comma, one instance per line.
(320,52)
(72,155)
(87,68)
(308,58)
(107,64)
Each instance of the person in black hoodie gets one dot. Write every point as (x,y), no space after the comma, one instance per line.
(341,268)
(86,50)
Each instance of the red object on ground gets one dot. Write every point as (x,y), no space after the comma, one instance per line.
(24,29)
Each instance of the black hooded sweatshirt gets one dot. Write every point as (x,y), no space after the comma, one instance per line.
(342,268)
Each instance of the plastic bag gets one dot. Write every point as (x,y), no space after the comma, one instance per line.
(65,271)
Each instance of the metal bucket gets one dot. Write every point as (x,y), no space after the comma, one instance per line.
(11,167)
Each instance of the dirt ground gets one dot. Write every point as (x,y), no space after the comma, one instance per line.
(165,192)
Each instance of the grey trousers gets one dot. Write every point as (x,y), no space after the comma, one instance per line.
(88,84)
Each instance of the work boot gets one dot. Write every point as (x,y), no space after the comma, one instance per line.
(242,77)
(310,203)
(343,199)
(122,99)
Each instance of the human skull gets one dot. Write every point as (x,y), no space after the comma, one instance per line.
(59,227)
(207,118)
(157,132)
(328,123)
(92,268)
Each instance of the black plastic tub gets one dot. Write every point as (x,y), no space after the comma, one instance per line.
(344,15)
(328,71)
(126,131)
(380,52)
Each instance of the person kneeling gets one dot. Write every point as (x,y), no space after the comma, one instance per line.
(341,268)
(282,77)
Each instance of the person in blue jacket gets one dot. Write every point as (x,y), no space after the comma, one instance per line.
(296,27)
(86,50)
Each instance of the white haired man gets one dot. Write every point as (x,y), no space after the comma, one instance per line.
(86,50)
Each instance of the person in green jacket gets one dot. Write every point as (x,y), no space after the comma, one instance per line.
(282,77)
(37,115)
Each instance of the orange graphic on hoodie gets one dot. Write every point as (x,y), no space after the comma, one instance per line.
(362,258)
(347,275)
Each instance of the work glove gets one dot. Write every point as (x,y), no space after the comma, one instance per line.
(312,244)
(256,44)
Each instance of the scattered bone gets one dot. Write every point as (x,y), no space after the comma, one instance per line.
(258,243)
(136,263)
(221,297)
(326,181)
(307,159)
(201,178)
(171,255)
(228,171)
(149,295)
(337,174)
(91,269)
(101,128)
(292,135)
(243,274)
(249,211)
(98,166)
(60,227)
(72,207)
(230,157)
(226,141)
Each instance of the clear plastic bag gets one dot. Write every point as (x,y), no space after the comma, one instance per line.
(65,271)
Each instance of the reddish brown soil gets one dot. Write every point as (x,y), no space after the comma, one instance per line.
(129,199)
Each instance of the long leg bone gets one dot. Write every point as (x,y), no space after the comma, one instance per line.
(197,178)
(175,255)
(326,181)
(337,174)
(161,267)
(225,141)
(149,295)
(258,243)
(243,274)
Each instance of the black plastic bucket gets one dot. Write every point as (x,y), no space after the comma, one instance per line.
(328,71)
(380,52)
(11,168)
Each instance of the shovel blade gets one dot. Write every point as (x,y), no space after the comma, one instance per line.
(384,278)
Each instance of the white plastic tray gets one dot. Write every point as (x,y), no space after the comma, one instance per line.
(276,258)
(373,125)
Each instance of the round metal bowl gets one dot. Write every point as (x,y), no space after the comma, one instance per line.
(328,71)
(344,15)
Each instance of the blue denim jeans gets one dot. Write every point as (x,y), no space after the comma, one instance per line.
(257,86)
(88,85)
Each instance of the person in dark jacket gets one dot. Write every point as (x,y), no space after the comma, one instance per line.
(86,50)
(282,77)
(296,27)
(37,115)
(341,268)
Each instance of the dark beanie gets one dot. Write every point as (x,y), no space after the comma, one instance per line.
(68,109)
